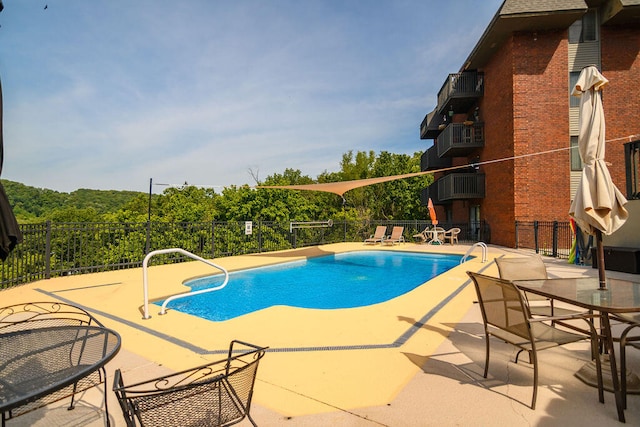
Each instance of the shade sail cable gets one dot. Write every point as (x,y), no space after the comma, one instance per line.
(342,187)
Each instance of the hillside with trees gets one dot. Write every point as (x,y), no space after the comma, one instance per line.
(31,204)
(399,199)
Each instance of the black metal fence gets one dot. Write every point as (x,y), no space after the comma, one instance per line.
(552,238)
(61,249)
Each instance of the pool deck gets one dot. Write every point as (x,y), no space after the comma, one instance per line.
(415,360)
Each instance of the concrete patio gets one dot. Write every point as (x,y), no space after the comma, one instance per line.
(446,388)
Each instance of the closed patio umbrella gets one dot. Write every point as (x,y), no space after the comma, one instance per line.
(432,212)
(598,206)
(10,234)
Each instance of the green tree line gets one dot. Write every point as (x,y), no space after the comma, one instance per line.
(399,199)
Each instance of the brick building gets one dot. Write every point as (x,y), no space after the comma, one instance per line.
(511,98)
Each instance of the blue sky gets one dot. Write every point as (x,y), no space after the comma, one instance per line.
(105,94)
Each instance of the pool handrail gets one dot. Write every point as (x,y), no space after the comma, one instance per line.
(481,245)
(182,295)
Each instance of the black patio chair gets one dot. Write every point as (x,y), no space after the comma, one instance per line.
(53,361)
(215,394)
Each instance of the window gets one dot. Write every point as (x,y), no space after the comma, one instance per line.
(576,162)
(574,101)
(584,29)
(632,164)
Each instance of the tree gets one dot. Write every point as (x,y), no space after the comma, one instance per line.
(186,204)
(399,199)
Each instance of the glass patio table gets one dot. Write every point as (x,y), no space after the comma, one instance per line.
(38,362)
(621,296)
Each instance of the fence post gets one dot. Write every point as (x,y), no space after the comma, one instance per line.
(555,239)
(517,239)
(213,239)
(148,239)
(293,237)
(47,251)
(535,236)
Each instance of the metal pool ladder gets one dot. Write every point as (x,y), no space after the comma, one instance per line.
(185,294)
(481,245)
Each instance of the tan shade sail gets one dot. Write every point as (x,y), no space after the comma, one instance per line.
(342,187)
(598,204)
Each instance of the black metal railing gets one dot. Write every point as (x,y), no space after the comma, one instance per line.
(466,85)
(430,160)
(60,249)
(553,238)
(432,125)
(457,186)
(458,139)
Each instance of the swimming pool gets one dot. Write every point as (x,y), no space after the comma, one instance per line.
(344,280)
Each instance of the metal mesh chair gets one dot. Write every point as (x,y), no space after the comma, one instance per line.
(214,394)
(506,315)
(531,268)
(56,360)
(632,321)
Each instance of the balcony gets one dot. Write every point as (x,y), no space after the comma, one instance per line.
(430,160)
(458,186)
(460,92)
(431,192)
(430,126)
(458,139)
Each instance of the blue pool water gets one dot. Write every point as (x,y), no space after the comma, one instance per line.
(346,280)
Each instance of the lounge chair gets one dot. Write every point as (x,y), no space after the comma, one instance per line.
(378,237)
(506,316)
(215,394)
(451,235)
(395,237)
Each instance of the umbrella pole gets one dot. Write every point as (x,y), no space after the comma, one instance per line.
(601,266)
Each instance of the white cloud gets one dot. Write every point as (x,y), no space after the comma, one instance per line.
(108,94)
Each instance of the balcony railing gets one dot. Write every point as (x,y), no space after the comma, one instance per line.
(458,186)
(458,139)
(460,91)
(430,192)
(430,126)
(430,160)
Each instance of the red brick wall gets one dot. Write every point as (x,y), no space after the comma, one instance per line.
(525,109)
(620,50)
(541,123)
(496,111)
